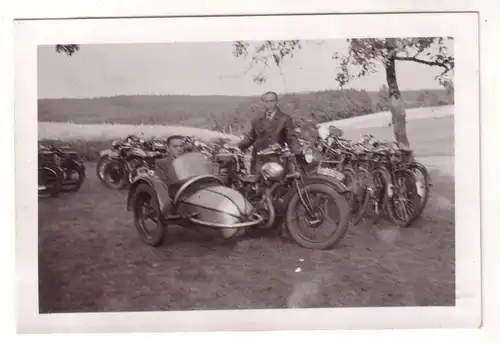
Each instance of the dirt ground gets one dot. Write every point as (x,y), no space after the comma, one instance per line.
(91,260)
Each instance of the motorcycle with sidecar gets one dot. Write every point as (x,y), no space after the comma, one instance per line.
(192,194)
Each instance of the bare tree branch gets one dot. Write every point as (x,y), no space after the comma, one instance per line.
(418,60)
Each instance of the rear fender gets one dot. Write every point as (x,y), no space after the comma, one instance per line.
(159,187)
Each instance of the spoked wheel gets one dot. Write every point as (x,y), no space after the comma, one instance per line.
(327,221)
(405,201)
(357,183)
(147,217)
(49,182)
(115,175)
(424,185)
(379,189)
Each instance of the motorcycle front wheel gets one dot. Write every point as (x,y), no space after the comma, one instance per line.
(100,167)
(115,175)
(330,214)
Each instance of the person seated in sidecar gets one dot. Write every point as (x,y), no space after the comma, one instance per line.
(175,148)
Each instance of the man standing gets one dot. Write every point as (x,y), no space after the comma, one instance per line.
(272,127)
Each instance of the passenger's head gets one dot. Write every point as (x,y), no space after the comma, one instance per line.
(175,145)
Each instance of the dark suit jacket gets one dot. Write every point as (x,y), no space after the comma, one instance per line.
(265,132)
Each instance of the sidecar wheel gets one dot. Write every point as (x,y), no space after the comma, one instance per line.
(145,200)
(334,218)
(115,175)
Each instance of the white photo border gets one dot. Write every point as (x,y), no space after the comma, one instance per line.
(462,26)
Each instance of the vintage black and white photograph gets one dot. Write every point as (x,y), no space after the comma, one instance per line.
(274,172)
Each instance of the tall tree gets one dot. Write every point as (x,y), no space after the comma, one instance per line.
(365,56)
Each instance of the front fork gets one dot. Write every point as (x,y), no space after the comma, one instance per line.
(305,199)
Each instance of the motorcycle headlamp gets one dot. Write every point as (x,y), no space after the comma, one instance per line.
(308,155)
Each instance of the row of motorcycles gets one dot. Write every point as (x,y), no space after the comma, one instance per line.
(59,169)
(314,200)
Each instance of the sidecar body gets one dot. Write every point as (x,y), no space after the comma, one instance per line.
(187,189)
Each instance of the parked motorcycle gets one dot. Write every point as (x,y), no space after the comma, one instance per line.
(64,163)
(281,189)
(50,177)
(117,166)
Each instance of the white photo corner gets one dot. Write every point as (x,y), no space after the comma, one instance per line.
(165,120)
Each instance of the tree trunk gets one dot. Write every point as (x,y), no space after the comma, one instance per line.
(396,104)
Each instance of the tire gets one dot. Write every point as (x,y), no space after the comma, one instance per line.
(100,166)
(334,237)
(143,193)
(427,187)
(414,202)
(379,193)
(360,195)
(53,173)
(81,178)
(110,168)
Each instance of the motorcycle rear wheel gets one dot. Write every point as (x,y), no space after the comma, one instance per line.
(421,171)
(336,232)
(81,178)
(360,196)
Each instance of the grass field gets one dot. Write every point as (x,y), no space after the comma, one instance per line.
(91,259)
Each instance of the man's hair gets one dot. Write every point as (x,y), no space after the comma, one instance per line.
(171,138)
(271,93)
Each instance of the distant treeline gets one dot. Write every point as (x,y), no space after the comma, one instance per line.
(228,113)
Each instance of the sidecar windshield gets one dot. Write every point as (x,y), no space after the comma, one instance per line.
(191,164)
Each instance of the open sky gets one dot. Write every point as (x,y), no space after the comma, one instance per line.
(99,70)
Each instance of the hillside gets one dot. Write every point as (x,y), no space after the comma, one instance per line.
(224,113)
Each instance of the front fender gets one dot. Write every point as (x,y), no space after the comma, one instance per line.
(109,153)
(339,186)
(79,165)
(159,187)
(105,152)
